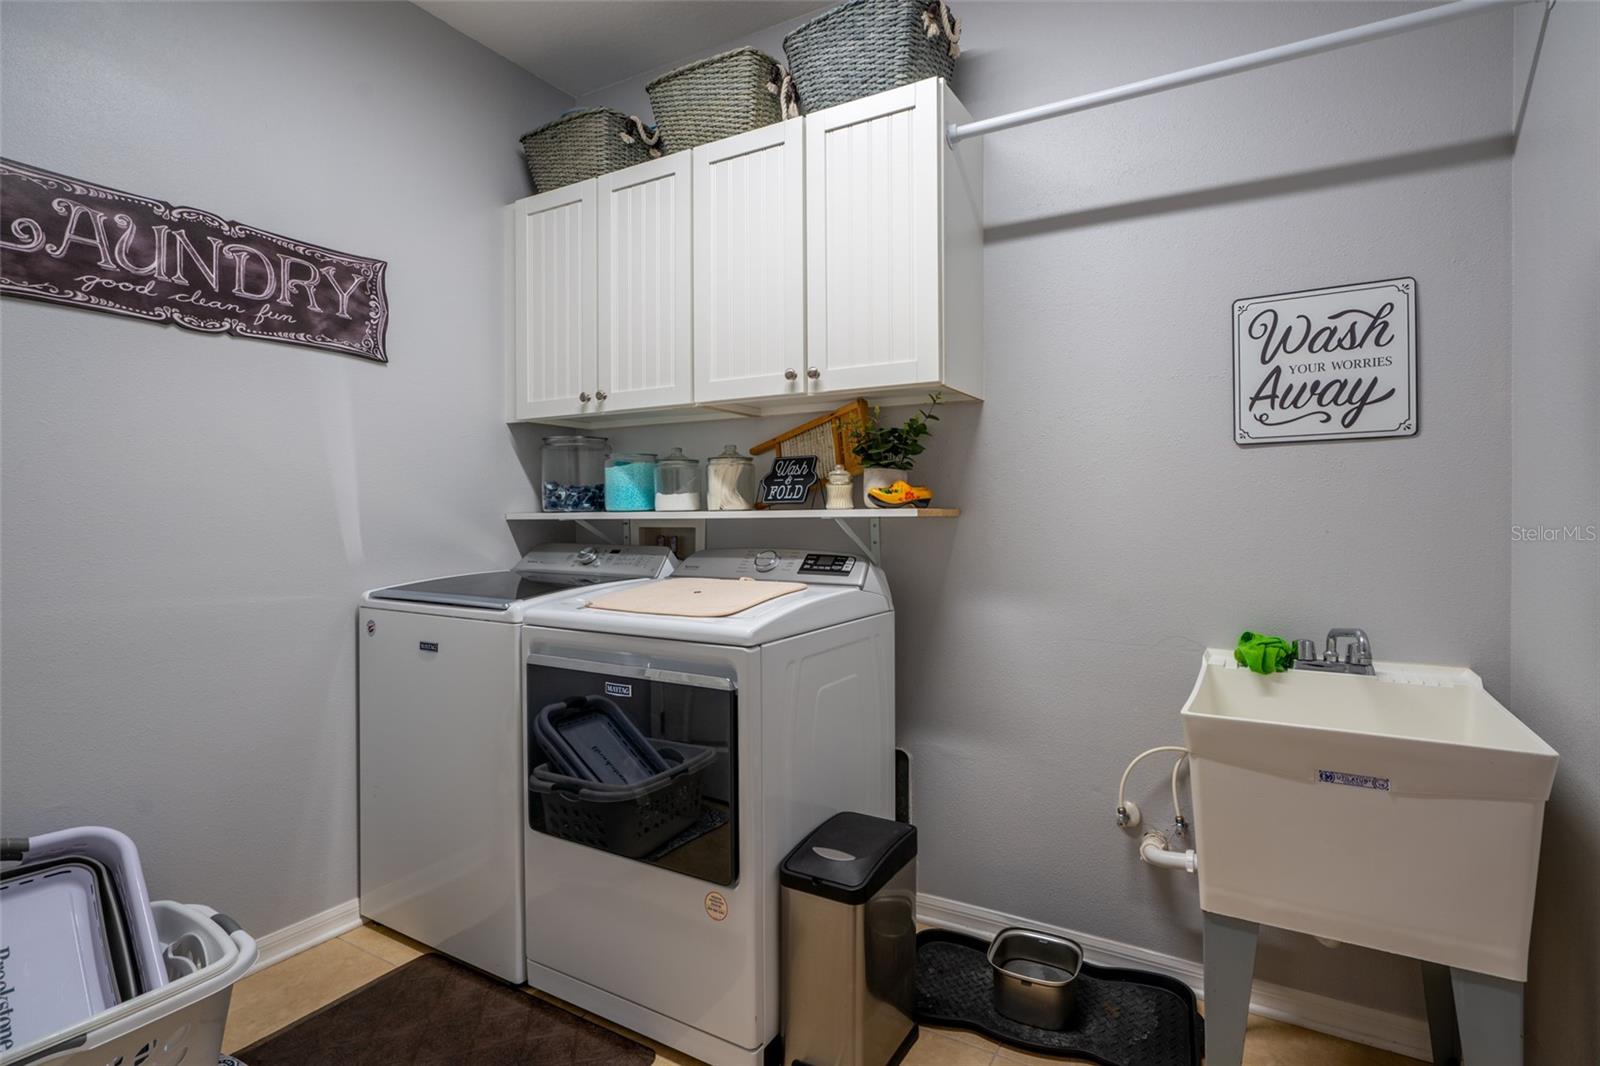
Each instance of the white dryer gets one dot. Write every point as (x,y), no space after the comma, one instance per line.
(796,696)
(440,734)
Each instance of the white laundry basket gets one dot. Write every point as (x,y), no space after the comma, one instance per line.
(205,953)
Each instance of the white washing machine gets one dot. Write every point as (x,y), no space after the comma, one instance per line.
(796,696)
(440,736)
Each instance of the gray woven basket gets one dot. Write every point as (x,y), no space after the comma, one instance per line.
(584,144)
(863,47)
(716,98)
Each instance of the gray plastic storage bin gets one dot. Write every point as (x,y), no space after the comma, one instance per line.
(64,933)
(850,942)
(203,954)
(77,934)
(590,738)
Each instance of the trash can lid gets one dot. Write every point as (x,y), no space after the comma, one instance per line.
(849,857)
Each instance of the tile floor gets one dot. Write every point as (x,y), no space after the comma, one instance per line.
(272,998)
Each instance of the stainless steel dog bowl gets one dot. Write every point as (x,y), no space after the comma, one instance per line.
(1035,977)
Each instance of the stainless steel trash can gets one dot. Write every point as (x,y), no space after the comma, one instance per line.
(850,943)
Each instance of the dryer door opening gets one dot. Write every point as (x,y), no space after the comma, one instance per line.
(689,821)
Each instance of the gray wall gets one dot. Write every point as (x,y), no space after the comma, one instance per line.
(1555,483)
(189,519)
(1111,529)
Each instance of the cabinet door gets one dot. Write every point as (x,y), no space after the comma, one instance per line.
(749,265)
(645,327)
(872,241)
(553,354)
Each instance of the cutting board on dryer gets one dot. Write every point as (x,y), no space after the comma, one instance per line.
(695,597)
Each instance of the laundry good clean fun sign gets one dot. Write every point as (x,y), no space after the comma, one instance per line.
(71,242)
(1326,364)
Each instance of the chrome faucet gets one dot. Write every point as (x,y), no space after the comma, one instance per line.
(1357,653)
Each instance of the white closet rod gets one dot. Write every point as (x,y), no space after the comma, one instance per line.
(1267,57)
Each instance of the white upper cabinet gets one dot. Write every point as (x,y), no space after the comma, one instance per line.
(645,311)
(893,245)
(830,256)
(553,364)
(749,265)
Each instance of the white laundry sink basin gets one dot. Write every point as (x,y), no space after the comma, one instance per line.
(1401,811)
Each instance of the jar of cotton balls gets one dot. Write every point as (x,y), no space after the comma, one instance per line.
(730,481)
(631,481)
(573,473)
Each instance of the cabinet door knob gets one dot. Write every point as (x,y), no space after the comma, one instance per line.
(599,394)
(813,373)
(789,374)
(583,397)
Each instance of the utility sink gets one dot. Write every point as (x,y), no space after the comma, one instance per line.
(1401,811)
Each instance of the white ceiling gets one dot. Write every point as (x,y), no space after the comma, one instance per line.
(579,46)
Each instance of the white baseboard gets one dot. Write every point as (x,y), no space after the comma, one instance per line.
(307,933)
(1365,1025)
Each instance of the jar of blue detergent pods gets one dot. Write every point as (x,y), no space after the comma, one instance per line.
(572,470)
(631,481)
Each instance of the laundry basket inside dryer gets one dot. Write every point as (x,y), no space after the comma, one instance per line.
(682,817)
(630,820)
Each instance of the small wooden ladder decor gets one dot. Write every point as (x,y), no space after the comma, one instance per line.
(826,436)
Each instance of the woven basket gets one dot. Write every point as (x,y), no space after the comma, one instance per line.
(584,144)
(863,47)
(717,97)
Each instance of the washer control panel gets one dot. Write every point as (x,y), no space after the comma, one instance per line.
(778,564)
(815,563)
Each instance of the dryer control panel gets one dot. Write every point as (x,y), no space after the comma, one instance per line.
(778,564)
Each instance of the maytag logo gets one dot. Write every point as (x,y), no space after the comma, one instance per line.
(1334,777)
(427,645)
(615,689)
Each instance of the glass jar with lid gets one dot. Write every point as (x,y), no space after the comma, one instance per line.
(631,481)
(572,470)
(840,489)
(730,481)
(678,483)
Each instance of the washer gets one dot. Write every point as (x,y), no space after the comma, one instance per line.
(797,696)
(441,780)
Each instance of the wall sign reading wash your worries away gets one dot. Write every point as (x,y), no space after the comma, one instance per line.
(1326,364)
(71,242)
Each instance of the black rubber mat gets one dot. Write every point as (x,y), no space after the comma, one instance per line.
(1124,1017)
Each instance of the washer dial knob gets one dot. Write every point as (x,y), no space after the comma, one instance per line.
(766,560)
(587,556)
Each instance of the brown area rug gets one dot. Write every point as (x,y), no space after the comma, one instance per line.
(435,1012)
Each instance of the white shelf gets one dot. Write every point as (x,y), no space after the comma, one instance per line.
(696,516)
(872,547)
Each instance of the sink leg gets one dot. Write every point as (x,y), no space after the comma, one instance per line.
(1489,1012)
(1230,962)
(1444,1036)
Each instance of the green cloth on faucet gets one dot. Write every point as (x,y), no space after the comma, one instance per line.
(1262,653)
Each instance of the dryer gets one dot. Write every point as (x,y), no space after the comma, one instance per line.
(796,695)
(440,674)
